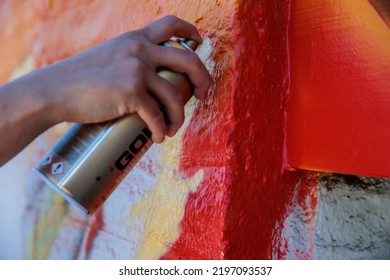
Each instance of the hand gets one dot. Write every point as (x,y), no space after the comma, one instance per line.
(118,77)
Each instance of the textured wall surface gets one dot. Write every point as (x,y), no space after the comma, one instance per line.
(352,218)
(222,187)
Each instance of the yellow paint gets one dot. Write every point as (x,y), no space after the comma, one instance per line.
(54,213)
(27,66)
(161,210)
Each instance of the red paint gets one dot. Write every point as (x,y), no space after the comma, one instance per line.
(95,224)
(237,138)
(339,108)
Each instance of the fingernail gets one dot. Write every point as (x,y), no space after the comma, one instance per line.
(172,132)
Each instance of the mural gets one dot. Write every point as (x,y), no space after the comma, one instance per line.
(225,187)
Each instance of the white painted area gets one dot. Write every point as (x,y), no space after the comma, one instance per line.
(13,178)
(120,234)
(14,175)
(204,52)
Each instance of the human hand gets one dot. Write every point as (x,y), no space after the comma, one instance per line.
(118,77)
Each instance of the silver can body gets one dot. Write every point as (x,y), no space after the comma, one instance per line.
(90,160)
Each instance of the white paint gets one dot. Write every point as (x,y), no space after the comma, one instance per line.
(13,176)
(204,52)
(12,201)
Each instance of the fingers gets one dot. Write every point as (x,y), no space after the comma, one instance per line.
(183,61)
(161,106)
(171,101)
(163,29)
(151,114)
(177,60)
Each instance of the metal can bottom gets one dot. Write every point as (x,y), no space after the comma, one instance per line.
(68,196)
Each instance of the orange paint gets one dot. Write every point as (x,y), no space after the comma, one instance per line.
(339,104)
(17,36)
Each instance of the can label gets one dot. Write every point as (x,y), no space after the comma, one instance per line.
(135,147)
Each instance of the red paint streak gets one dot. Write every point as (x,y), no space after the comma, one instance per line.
(339,108)
(237,138)
(95,224)
(206,147)
(261,189)
(203,223)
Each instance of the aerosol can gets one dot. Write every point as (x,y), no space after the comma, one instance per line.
(90,160)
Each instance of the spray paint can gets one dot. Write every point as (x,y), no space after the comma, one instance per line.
(90,160)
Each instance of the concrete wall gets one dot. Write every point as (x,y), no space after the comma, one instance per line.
(222,188)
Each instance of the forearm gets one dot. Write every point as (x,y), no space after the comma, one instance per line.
(23,116)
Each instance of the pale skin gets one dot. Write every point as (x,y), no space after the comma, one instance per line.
(112,79)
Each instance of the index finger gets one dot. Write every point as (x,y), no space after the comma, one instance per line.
(163,29)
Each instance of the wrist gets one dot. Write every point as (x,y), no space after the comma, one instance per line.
(40,90)
(31,94)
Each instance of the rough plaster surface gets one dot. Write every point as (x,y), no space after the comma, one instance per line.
(339,217)
(353,218)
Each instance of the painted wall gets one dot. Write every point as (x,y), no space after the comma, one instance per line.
(222,187)
(340,99)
